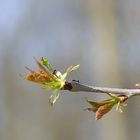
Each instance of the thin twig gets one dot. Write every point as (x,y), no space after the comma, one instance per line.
(77,87)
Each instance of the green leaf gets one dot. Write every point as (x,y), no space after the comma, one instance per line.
(72,68)
(69,70)
(54,97)
(49,78)
(75,67)
(93,103)
(120,107)
(46,63)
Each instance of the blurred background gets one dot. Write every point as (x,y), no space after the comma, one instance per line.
(102,35)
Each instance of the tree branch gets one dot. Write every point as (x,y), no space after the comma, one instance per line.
(53,80)
(78,87)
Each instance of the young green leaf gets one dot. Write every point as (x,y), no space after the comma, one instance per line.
(54,97)
(103,107)
(50,79)
(46,63)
